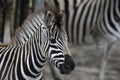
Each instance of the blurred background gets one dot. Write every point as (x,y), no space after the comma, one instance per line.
(12,15)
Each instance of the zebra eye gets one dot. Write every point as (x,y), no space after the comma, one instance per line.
(44,28)
(52,40)
(53,21)
(49,15)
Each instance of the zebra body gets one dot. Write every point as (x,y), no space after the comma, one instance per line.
(92,20)
(25,56)
(86,16)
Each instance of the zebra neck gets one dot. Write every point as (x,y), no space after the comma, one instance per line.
(25,61)
(28,29)
(34,58)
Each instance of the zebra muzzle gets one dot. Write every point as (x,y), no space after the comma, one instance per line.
(68,66)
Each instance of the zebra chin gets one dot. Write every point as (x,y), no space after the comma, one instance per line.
(68,65)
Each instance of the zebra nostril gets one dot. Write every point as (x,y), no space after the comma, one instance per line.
(68,66)
(69,63)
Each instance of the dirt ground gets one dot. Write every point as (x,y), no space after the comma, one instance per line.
(87,61)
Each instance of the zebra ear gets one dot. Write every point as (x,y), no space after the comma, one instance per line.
(48,5)
(61,13)
(60,18)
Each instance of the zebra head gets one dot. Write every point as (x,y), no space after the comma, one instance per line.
(58,51)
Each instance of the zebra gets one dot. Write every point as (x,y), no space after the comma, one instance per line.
(42,38)
(95,20)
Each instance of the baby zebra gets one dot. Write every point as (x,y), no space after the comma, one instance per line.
(41,37)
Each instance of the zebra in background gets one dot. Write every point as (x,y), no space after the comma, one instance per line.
(46,39)
(97,20)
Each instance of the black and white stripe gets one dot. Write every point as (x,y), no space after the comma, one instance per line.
(86,16)
(97,20)
(25,56)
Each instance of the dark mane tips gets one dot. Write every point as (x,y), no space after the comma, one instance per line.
(59,14)
(60,18)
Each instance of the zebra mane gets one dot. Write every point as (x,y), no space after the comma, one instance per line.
(25,29)
(59,14)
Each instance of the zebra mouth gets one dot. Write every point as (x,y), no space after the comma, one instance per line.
(68,66)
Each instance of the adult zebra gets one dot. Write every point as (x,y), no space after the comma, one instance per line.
(92,19)
(46,39)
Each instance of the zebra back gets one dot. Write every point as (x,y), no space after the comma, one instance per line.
(84,17)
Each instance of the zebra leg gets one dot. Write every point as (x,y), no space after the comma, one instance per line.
(105,58)
(103,66)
